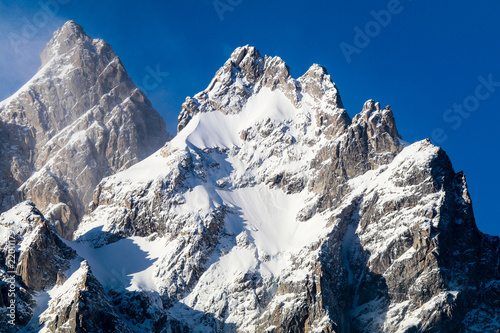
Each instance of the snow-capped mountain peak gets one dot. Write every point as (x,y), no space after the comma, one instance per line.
(246,72)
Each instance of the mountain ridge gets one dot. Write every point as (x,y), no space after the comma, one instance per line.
(271,210)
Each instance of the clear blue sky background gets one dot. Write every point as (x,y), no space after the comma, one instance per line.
(429,57)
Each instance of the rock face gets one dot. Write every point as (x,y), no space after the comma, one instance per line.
(272,211)
(79,119)
(81,305)
(45,258)
(21,225)
(52,293)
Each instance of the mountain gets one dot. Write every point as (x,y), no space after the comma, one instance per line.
(271,210)
(79,119)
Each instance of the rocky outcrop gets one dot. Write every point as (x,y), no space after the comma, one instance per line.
(32,259)
(40,254)
(391,240)
(371,140)
(79,119)
(45,258)
(80,305)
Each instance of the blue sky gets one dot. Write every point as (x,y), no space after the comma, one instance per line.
(437,64)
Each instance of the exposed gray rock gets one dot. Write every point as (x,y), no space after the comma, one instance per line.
(246,73)
(36,257)
(45,258)
(79,119)
(82,306)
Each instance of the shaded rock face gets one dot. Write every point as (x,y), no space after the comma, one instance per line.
(370,141)
(393,263)
(45,260)
(84,307)
(79,119)
(42,256)
(39,260)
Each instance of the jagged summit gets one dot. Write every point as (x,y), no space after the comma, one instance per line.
(70,28)
(318,83)
(251,54)
(68,32)
(372,114)
(245,73)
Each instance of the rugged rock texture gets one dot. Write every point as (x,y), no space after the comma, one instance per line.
(79,119)
(45,271)
(45,260)
(247,72)
(16,228)
(81,305)
(279,213)
(396,235)
(41,258)
(273,211)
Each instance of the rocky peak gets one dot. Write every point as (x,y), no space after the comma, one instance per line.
(245,73)
(81,305)
(377,120)
(248,61)
(243,52)
(44,257)
(66,38)
(82,107)
(317,74)
(318,83)
(370,105)
(247,64)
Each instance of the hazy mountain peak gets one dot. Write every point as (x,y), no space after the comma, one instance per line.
(66,40)
(70,30)
(80,106)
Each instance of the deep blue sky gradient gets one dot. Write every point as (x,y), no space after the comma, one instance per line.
(430,56)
